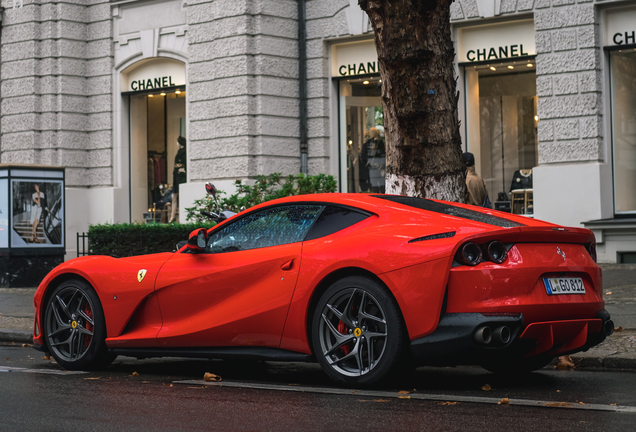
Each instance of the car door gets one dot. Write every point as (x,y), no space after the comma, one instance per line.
(237,292)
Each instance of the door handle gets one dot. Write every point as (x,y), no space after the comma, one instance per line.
(288,265)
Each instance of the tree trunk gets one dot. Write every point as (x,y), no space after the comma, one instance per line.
(419,98)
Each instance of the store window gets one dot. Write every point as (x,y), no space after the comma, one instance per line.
(501,130)
(157,154)
(623,83)
(362,149)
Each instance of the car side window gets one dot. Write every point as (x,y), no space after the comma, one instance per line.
(270,227)
(333,219)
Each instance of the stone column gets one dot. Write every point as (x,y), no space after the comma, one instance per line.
(573,154)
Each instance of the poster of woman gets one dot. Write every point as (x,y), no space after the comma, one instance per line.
(38,213)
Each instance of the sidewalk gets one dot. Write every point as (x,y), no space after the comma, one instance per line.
(617,352)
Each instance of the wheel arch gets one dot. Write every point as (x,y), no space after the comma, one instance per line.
(54,283)
(326,282)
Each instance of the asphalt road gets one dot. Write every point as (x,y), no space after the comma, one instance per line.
(169,394)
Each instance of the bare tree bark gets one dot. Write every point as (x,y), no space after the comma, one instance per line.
(419,97)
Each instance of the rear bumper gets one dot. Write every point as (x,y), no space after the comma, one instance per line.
(459,339)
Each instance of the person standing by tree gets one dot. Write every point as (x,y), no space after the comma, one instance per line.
(419,97)
(476,187)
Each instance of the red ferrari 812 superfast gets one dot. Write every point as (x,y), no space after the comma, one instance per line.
(364,284)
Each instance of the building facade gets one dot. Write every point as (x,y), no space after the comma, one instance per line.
(140,97)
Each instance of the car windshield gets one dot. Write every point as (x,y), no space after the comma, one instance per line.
(437,207)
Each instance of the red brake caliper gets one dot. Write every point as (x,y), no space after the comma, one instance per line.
(88,326)
(343,329)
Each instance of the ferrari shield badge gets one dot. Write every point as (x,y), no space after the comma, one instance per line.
(141,275)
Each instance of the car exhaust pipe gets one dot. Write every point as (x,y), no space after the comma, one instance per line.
(502,335)
(608,327)
(483,335)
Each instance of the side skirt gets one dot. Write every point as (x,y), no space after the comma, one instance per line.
(246,353)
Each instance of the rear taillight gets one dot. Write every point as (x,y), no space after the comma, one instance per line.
(469,254)
(496,251)
(591,248)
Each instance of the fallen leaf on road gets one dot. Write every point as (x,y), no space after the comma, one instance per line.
(293,384)
(26,345)
(46,358)
(614,404)
(558,404)
(404,397)
(91,378)
(8,358)
(404,392)
(608,293)
(374,400)
(618,329)
(504,401)
(565,362)
(167,385)
(447,403)
(135,374)
(581,403)
(558,391)
(486,387)
(211,377)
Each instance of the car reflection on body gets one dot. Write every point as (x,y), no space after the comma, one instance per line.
(367,285)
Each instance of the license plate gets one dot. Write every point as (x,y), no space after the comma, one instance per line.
(561,285)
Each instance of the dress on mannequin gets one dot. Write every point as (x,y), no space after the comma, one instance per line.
(178,175)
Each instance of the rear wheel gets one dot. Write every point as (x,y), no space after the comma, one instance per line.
(358,334)
(75,328)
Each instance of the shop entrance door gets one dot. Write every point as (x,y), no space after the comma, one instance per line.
(157,155)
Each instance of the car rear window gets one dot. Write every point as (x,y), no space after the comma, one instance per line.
(333,219)
(437,207)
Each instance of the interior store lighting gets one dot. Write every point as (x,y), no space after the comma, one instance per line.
(365,82)
(536,118)
(529,64)
(162,94)
(178,92)
(511,67)
(151,95)
(493,68)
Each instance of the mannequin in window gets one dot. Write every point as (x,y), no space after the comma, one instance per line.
(376,160)
(178,175)
(38,202)
(521,179)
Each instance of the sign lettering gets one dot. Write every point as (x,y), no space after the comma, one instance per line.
(151,84)
(496,53)
(625,38)
(358,69)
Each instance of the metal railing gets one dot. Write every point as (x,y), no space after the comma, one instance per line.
(82,238)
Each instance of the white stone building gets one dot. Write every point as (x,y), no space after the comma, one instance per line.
(106,88)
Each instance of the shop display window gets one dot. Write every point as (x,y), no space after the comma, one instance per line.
(501,130)
(157,154)
(362,149)
(623,83)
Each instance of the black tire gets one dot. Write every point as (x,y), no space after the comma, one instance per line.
(74,327)
(516,366)
(358,334)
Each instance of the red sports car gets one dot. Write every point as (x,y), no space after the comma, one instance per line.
(367,285)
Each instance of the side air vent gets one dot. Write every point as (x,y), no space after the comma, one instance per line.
(433,237)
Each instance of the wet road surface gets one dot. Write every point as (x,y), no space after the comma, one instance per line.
(170,394)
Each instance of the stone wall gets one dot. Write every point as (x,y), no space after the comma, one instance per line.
(243,88)
(56,87)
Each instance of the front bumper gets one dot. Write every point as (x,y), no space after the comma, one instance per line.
(459,338)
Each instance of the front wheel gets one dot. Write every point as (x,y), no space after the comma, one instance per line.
(75,328)
(358,333)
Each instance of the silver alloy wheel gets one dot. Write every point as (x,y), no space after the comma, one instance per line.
(353,332)
(69,324)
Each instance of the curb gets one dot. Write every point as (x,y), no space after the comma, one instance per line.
(18,336)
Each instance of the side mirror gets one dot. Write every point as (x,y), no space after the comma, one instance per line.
(198,240)
(210,189)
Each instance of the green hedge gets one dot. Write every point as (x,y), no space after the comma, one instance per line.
(124,240)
